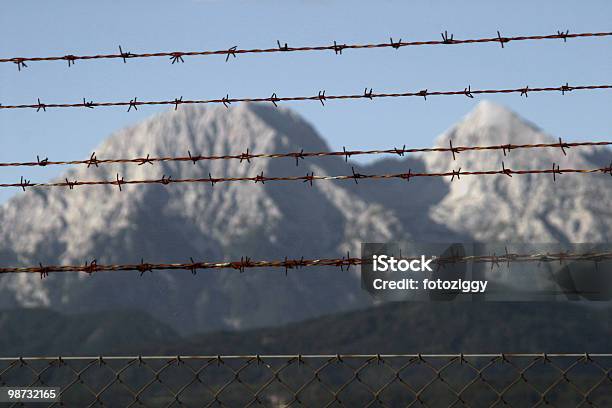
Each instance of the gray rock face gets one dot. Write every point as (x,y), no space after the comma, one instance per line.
(175,222)
(526,208)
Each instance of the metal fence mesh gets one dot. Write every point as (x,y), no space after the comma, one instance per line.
(562,380)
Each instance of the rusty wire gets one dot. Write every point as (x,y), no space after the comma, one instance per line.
(380,380)
(178,56)
(297,263)
(320,97)
(309,178)
(247,156)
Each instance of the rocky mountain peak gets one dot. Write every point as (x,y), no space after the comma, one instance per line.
(542,208)
(492,123)
(175,222)
(213,130)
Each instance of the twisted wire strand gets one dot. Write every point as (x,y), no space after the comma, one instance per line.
(320,97)
(308,178)
(297,263)
(246,156)
(177,56)
(295,356)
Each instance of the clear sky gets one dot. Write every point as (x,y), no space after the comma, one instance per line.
(61,27)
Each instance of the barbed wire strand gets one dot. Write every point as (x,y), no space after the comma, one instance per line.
(286,356)
(247,156)
(320,97)
(308,178)
(337,48)
(297,263)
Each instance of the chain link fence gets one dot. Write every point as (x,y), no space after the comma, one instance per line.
(458,380)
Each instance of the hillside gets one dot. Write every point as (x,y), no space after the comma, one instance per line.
(34,332)
(391,328)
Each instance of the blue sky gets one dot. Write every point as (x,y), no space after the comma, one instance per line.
(29,28)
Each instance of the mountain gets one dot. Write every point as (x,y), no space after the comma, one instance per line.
(175,222)
(32,332)
(527,208)
(386,329)
(421,328)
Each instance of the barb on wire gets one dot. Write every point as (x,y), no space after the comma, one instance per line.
(123,55)
(468,92)
(321,97)
(93,160)
(145,161)
(20,62)
(505,171)
(71,59)
(446,39)
(501,39)
(23,183)
(177,102)
(407,176)
(244,156)
(118,182)
(563,146)
(309,178)
(298,156)
(71,184)
(556,171)
(260,178)
(565,88)
(42,162)
(297,263)
(40,106)
(524,91)
(133,104)
(274,99)
(453,150)
(225,101)
(563,35)
(88,105)
(231,52)
(176,56)
(338,48)
(456,173)
(282,47)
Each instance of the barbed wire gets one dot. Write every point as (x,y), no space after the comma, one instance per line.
(247,156)
(383,380)
(309,178)
(297,263)
(306,355)
(178,56)
(320,97)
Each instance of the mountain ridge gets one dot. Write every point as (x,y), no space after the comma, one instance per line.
(175,223)
(399,327)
